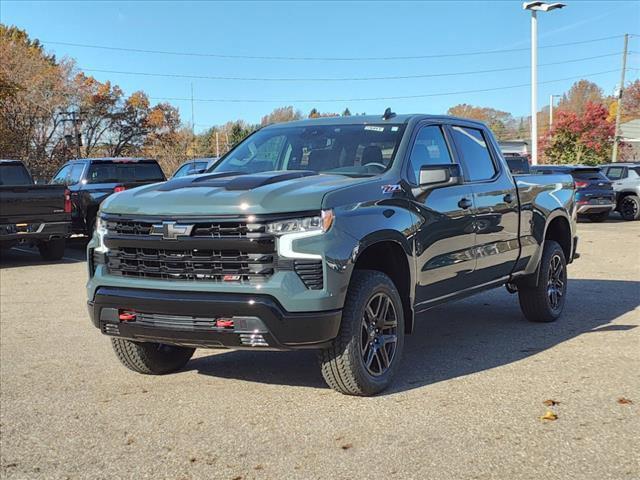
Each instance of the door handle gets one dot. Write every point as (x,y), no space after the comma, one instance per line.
(464,203)
(508,198)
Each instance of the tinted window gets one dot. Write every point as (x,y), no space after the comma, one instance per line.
(123,172)
(589,175)
(475,153)
(182,171)
(62,177)
(636,170)
(75,175)
(14,174)
(518,165)
(430,148)
(345,149)
(615,173)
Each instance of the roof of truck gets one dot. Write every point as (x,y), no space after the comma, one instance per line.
(397,119)
(114,159)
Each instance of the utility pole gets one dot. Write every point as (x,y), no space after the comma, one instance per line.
(193,124)
(534,87)
(616,135)
(217,145)
(75,120)
(551,97)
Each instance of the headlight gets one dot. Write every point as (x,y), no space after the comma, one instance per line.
(320,223)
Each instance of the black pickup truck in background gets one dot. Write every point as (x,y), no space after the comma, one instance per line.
(91,180)
(38,215)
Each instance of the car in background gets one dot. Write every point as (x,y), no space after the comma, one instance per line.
(31,214)
(194,167)
(595,197)
(91,180)
(518,164)
(626,184)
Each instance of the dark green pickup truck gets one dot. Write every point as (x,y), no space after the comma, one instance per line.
(334,234)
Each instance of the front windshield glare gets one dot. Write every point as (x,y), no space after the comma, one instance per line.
(342,149)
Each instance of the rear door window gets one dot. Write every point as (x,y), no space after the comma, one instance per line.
(472,145)
(75,175)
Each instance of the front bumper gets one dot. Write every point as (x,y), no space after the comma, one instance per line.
(189,319)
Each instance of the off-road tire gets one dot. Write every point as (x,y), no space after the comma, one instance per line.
(629,207)
(151,358)
(342,364)
(535,302)
(52,249)
(598,217)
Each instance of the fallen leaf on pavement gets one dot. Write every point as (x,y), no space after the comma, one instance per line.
(550,403)
(624,401)
(346,446)
(549,416)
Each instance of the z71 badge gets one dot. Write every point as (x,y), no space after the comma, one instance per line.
(391,188)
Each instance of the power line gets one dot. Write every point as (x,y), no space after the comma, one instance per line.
(326,59)
(400,97)
(340,79)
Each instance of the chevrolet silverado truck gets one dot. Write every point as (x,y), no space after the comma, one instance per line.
(38,215)
(332,234)
(91,180)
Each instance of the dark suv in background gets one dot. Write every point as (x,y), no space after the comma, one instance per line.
(595,197)
(91,180)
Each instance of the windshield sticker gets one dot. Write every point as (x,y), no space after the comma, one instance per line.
(391,188)
(374,128)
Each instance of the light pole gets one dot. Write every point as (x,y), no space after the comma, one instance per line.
(536,7)
(551,97)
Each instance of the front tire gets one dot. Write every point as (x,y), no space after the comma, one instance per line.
(151,358)
(598,217)
(365,355)
(52,249)
(545,302)
(630,207)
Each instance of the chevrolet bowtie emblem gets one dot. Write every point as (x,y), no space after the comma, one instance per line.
(171,230)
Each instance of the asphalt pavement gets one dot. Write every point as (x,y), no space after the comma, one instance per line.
(475,381)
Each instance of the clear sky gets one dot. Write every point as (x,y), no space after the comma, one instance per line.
(335,30)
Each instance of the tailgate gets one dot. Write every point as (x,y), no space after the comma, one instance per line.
(32,204)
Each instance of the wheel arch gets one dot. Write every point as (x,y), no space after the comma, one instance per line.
(391,256)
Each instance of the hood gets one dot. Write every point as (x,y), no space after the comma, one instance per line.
(230,193)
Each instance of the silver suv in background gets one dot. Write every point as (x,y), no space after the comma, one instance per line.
(194,167)
(626,184)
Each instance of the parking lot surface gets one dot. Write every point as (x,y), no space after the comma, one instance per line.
(467,404)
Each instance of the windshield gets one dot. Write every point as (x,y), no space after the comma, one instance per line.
(344,149)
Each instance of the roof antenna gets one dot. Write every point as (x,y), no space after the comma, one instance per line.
(388,114)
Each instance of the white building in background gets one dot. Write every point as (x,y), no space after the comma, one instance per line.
(516,147)
(630,133)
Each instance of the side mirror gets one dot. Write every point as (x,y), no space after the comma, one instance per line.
(432,176)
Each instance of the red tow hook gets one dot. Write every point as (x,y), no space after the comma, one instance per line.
(126,316)
(224,323)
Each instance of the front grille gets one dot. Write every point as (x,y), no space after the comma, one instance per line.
(191,264)
(200,229)
(310,272)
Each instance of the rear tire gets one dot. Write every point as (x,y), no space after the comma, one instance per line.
(365,355)
(151,358)
(545,302)
(52,249)
(629,207)
(598,217)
